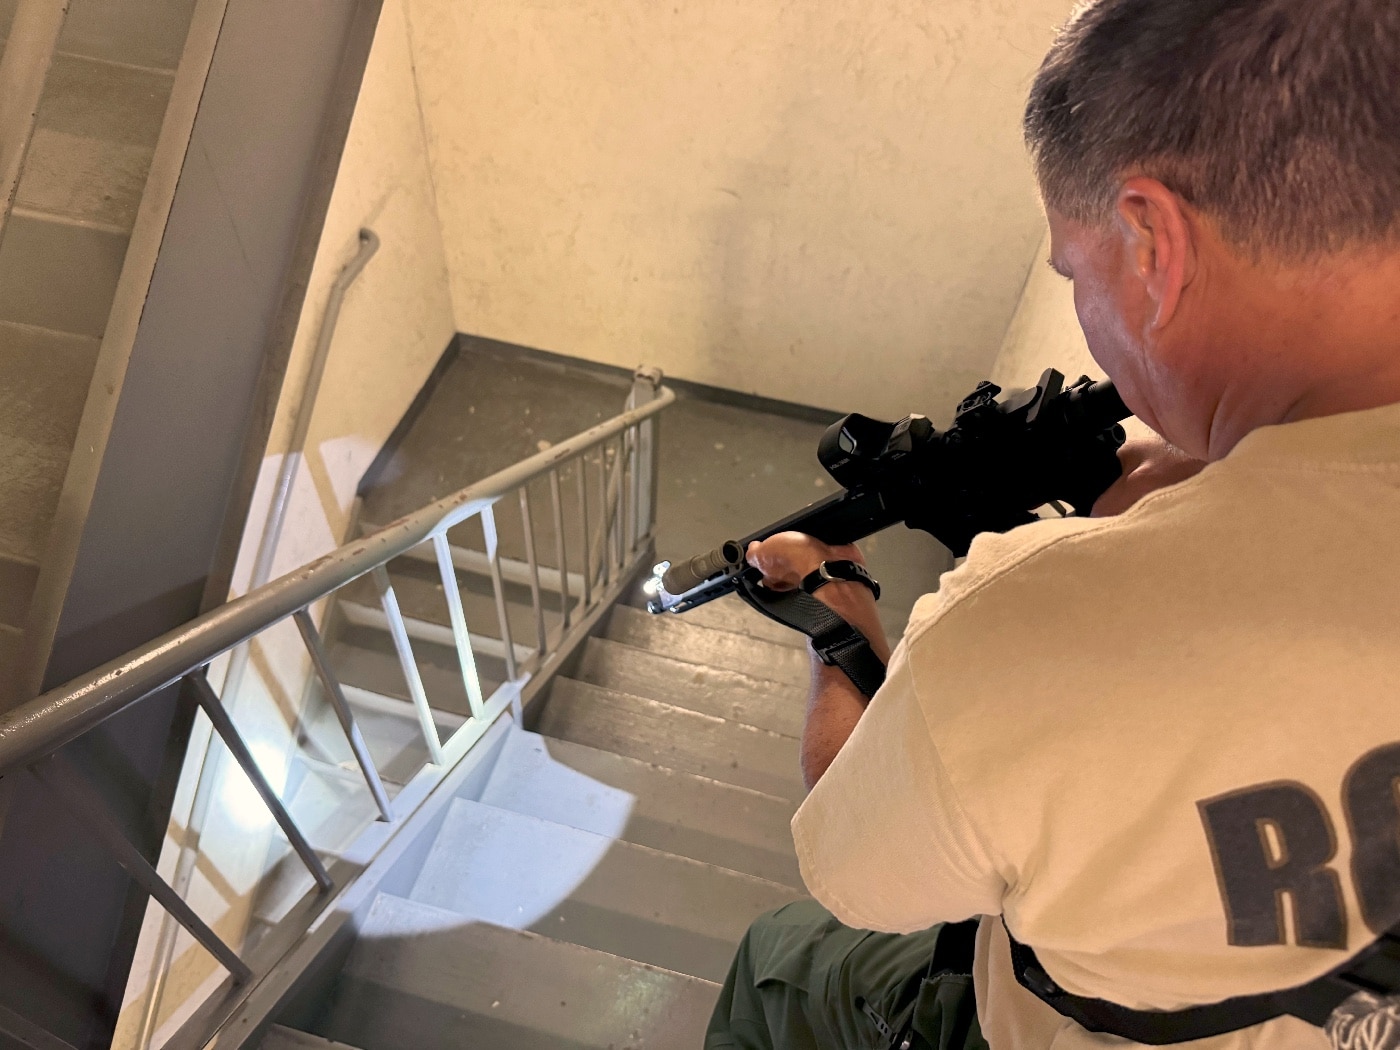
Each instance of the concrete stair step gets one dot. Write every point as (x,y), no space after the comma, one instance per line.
(510,869)
(391,731)
(137,32)
(775,706)
(11,648)
(471,562)
(672,636)
(426,978)
(44,378)
(280,1038)
(365,658)
(423,602)
(671,736)
(57,274)
(17,579)
(93,141)
(332,805)
(664,809)
(733,615)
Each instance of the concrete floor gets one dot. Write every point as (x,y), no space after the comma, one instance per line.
(725,472)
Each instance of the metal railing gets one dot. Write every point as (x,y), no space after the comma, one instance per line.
(617,459)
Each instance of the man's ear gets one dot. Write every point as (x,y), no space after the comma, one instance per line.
(1158,243)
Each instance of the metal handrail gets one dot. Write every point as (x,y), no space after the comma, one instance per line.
(35,730)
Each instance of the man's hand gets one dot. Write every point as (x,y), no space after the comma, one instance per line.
(787,558)
(835,704)
(1149,464)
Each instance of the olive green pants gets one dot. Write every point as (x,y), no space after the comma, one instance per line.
(803,981)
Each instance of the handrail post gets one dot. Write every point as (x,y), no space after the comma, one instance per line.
(605,518)
(493,553)
(528,525)
(335,696)
(581,466)
(646,388)
(398,631)
(558,503)
(223,724)
(87,806)
(471,680)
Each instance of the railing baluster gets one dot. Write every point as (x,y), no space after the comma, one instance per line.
(652,473)
(635,517)
(558,504)
(453,593)
(605,522)
(528,522)
(336,697)
(493,552)
(54,774)
(581,465)
(620,502)
(224,726)
(389,601)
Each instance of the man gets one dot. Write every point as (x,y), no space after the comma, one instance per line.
(1160,747)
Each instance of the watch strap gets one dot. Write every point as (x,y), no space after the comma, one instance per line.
(850,571)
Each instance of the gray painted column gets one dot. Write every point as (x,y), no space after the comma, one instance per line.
(168,498)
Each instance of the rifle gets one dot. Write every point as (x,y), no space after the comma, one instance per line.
(989,472)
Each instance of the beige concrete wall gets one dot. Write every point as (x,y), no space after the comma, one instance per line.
(825,203)
(395,324)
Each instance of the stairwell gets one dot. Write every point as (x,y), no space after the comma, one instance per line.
(588,888)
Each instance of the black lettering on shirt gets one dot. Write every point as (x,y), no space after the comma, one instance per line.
(1373,815)
(1270,841)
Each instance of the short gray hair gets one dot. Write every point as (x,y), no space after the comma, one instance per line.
(1279,119)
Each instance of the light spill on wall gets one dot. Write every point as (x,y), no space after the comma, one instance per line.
(1044,333)
(825,203)
(396,322)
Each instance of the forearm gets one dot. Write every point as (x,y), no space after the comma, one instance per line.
(835,705)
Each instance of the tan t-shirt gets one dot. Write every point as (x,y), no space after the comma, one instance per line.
(1150,742)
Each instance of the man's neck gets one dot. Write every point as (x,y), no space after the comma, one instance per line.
(1313,341)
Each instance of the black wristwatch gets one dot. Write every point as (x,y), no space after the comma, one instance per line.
(851,571)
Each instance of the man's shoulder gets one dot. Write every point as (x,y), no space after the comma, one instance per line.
(1040,555)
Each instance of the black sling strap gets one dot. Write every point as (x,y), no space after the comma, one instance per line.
(1376,969)
(833,639)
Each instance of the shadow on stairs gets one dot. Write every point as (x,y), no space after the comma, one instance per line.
(590,888)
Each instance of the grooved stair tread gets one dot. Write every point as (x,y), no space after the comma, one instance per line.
(775,706)
(94,137)
(17,579)
(394,737)
(367,660)
(58,274)
(44,378)
(734,615)
(650,805)
(672,636)
(421,597)
(510,869)
(426,978)
(280,1038)
(11,645)
(654,731)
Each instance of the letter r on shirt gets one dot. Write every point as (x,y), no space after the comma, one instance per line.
(1272,842)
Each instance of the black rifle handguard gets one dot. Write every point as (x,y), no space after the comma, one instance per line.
(988,472)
